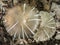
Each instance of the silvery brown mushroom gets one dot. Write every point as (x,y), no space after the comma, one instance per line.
(21,21)
(47,27)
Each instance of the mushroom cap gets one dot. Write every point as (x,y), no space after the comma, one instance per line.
(47,27)
(20,21)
